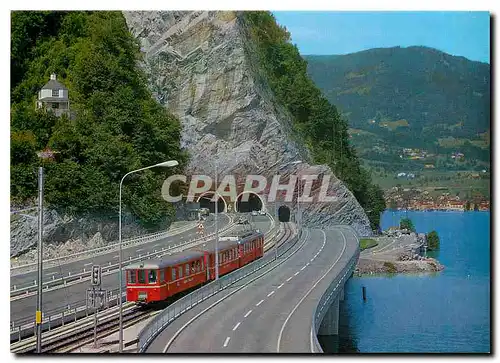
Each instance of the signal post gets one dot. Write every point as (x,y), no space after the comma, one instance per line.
(96,296)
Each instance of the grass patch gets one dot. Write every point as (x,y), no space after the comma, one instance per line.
(365,243)
(390,267)
(393,125)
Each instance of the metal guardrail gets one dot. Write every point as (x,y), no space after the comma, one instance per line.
(24,289)
(110,247)
(173,311)
(328,296)
(60,316)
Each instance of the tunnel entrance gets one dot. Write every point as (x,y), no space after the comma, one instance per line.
(254,203)
(284,214)
(206,202)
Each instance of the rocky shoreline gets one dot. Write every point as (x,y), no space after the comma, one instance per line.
(372,266)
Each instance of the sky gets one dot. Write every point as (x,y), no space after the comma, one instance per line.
(464,34)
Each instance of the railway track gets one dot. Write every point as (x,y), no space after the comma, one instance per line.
(67,338)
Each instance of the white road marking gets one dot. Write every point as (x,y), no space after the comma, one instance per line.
(260,302)
(236,326)
(307,264)
(248,313)
(51,273)
(295,274)
(117,256)
(226,341)
(272,292)
(288,279)
(309,291)
(88,264)
(138,250)
(303,267)
(312,259)
(280,286)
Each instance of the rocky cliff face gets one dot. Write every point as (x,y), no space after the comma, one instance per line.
(66,235)
(201,66)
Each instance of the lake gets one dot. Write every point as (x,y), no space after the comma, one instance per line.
(444,312)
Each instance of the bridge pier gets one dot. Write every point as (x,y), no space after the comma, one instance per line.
(330,323)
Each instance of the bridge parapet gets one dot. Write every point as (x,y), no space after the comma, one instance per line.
(326,314)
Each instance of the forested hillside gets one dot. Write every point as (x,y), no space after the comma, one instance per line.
(316,121)
(415,97)
(117,125)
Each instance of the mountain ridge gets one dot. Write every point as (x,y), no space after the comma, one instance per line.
(436,94)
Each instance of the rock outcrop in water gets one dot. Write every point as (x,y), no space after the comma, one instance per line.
(201,65)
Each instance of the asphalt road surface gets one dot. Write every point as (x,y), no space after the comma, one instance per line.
(271,314)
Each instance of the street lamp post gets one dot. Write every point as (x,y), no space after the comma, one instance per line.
(168,164)
(38,316)
(216,225)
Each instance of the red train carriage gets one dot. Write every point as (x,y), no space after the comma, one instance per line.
(156,280)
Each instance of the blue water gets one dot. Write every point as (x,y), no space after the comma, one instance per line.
(447,311)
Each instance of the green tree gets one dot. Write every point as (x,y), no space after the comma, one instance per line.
(467,205)
(432,240)
(406,223)
(116,127)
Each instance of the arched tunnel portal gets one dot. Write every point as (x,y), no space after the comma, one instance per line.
(205,201)
(284,214)
(254,202)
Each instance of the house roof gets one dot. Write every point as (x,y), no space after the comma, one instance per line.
(53,84)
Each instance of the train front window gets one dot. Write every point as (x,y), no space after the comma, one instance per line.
(141,276)
(173,274)
(152,277)
(187,269)
(162,275)
(131,276)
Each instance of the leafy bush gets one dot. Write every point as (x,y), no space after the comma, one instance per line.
(433,240)
(406,223)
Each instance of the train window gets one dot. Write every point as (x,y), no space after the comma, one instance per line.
(131,276)
(141,276)
(187,269)
(162,275)
(193,267)
(152,276)
(180,272)
(173,273)
(202,265)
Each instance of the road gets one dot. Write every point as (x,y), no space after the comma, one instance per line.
(270,314)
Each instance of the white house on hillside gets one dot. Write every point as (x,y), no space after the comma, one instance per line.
(54,97)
